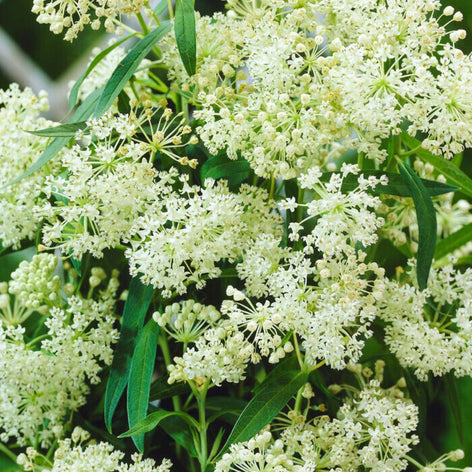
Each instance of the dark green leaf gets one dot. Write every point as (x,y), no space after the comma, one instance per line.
(447,168)
(136,307)
(7,464)
(77,265)
(453,242)
(185,35)
(289,363)
(396,185)
(427,224)
(10,262)
(62,131)
(221,167)
(178,430)
(127,67)
(265,406)
(82,113)
(140,377)
(455,404)
(229,408)
(97,59)
(160,390)
(152,421)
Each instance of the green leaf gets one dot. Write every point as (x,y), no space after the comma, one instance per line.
(229,408)
(127,67)
(77,265)
(160,390)
(82,113)
(97,59)
(152,421)
(178,430)
(453,242)
(447,168)
(136,307)
(10,262)
(396,185)
(185,34)
(140,377)
(7,464)
(455,404)
(265,406)
(221,167)
(427,224)
(62,131)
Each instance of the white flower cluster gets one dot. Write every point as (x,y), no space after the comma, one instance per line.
(373,431)
(108,181)
(74,15)
(182,237)
(77,454)
(431,330)
(19,149)
(45,373)
(290,85)
(342,218)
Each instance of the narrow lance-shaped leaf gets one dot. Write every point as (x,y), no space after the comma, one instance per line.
(67,130)
(140,377)
(453,242)
(185,34)
(266,405)
(395,186)
(126,68)
(221,167)
(96,60)
(427,224)
(136,307)
(152,421)
(447,168)
(82,113)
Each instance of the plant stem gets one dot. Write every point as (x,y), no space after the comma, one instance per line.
(272,188)
(164,345)
(203,453)
(171,9)
(142,23)
(7,452)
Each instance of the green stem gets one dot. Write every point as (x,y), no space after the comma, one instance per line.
(7,452)
(38,339)
(164,345)
(300,198)
(171,9)
(360,159)
(414,462)
(203,453)
(272,188)
(142,23)
(297,350)
(298,401)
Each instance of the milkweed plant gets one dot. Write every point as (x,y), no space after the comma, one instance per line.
(246,248)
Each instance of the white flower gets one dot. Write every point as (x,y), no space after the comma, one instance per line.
(432,336)
(45,376)
(19,113)
(74,15)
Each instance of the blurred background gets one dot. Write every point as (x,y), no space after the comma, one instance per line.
(34,57)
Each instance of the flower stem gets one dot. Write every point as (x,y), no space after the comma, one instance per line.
(164,345)
(7,452)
